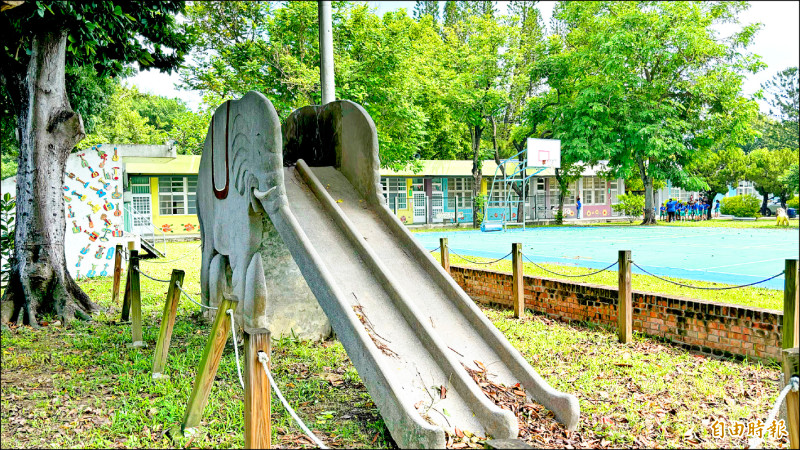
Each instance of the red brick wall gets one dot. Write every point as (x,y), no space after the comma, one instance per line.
(712,328)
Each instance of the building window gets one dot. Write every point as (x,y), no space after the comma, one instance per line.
(502,190)
(417,185)
(746,188)
(539,186)
(594,191)
(177,195)
(460,190)
(140,185)
(394,191)
(613,191)
(569,199)
(682,194)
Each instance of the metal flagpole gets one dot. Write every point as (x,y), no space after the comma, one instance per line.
(326,52)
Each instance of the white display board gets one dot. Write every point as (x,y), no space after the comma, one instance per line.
(92,189)
(544,153)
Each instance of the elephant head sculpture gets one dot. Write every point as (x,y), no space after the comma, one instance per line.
(240,177)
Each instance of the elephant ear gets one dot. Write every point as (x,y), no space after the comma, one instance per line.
(254,145)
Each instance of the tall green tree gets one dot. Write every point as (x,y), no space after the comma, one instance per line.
(40,40)
(121,123)
(783,95)
(766,169)
(475,47)
(655,83)
(791,178)
(719,169)
(88,94)
(378,63)
(426,8)
(133,117)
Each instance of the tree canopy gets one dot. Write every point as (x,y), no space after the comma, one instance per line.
(651,84)
(43,42)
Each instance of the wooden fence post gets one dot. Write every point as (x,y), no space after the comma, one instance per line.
(624,306)
(256,390)
(117,274)
(135,302)
(444,252)
(518,289)
(791,366)
(209,364)
(791,307)
(126,297)
(167,322)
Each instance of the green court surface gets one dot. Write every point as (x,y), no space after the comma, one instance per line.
(723,255)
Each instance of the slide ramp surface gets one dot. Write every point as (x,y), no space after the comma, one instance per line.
(420,334)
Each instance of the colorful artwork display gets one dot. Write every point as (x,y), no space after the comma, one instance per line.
(93,222)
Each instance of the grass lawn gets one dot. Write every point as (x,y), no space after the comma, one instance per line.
(82,387)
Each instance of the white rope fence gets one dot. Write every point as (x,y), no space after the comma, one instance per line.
(178,285)
(151,277)
(794,385)
(264,359)
(236,348)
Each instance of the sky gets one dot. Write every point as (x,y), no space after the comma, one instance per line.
(778,43)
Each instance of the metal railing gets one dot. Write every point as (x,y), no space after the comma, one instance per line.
(134,214)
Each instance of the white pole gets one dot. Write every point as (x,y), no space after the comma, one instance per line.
(326,52)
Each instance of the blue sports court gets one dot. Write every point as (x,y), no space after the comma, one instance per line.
(723,255)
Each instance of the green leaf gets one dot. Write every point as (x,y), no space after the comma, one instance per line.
(118,10)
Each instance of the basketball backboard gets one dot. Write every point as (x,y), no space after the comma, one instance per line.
(544,153)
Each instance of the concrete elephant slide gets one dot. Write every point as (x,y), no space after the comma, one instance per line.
(307,196)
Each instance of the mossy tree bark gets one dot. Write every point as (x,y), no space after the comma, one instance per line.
(39,282)
(647,181)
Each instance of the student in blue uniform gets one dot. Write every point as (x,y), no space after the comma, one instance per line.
(671,210)
(716,210)
(662,212)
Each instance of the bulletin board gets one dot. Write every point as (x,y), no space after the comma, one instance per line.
(93,210)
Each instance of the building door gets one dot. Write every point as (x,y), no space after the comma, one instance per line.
(420,208)
(437,207)
(140,206)
(142,215)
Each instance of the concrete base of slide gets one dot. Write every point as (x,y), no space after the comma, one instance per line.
(408,328)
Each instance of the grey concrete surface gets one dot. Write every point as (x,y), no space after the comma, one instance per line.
(241,249)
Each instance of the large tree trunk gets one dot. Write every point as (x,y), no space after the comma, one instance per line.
(764,197)
(476,174)
(49,129)
(647,181)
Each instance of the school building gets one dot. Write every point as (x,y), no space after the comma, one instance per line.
(162,194)
(442,192)
(158,200)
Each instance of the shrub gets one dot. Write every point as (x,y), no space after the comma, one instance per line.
(7,205)
(631,205)
(741,206)
(559,216)
(793,203)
